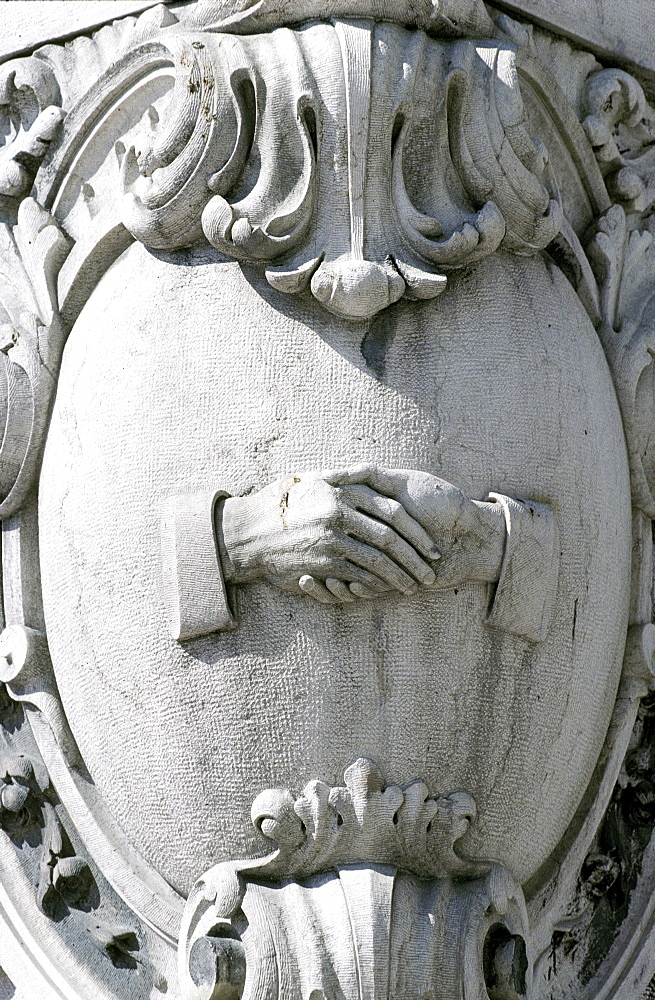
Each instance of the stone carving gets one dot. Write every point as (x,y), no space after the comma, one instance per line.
(365,822)
(623,261)
(361,533)
(391,875)
(20,793)
(30,100)
(33,339)
(64,876)
(26,806)
(394,268)
(26,672)
(119,944)
(220,129)
(618,121)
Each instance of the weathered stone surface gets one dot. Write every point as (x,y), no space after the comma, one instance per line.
(616,30)
(401,679)
(27,25)
(327,483)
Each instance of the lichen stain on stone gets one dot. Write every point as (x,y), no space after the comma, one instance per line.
(284,505)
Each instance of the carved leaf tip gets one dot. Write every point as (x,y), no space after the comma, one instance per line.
(273,815)
(442,18)
(20,159)
(239,158)
(366,820)
(619,125)
(356,289)
(119,944)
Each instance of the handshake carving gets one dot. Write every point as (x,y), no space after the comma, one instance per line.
(345,535)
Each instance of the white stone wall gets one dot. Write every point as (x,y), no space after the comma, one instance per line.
(28,23)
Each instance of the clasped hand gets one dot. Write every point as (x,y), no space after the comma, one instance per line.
(344,535)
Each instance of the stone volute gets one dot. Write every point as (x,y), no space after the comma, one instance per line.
(326,486)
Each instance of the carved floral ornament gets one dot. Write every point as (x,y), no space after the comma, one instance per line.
(263,163)
(360,153)
(373,840)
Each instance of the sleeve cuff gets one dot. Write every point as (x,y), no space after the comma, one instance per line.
(194,591)
(525,593)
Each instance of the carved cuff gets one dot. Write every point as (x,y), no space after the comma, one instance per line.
(194,590)
(523,600)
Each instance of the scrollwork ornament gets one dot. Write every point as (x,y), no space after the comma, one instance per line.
(30,100)
(364,156)
(373,854)
(623,261)
(620,126)
(256,161)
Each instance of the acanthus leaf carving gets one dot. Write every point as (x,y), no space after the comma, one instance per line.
(623,262)
(256,160)
(269,218)
(19,161)
(620,126)
(30,101)
(33,336)
(376,861)
(364,821)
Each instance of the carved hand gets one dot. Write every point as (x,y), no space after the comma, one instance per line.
(470,534)
(335,542)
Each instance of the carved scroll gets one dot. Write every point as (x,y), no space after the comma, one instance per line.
(359,161)
(364,898)
(266,162)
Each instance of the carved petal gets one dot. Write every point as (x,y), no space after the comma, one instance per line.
(420,284)
(356,289)
(296,280)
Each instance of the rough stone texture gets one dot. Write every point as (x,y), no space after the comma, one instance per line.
(619,30)
(401,679)
(7,989)
(28,24)
(351,306)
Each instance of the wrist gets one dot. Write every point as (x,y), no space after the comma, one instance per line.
(492,549)
(236,534)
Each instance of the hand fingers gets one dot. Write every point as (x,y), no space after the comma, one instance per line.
(392,483)
(384,481)
(431,501)
(376,562)
(388,541)
(351,573)
(342,569)
(357,474)
(334,477)
(359,583)
(317,590)
(340,590)
(392,512)
(335,591)
(361,591)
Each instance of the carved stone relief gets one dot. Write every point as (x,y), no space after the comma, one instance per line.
(327,475)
